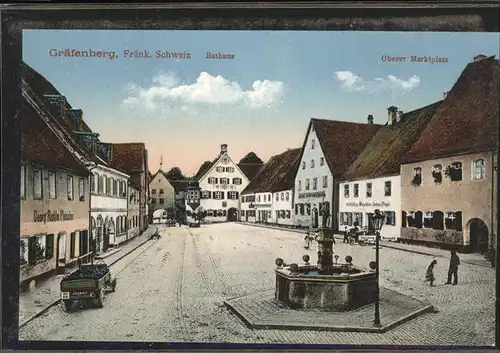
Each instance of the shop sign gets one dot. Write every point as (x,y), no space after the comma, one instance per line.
(52,216)
(312,194)
(368,204)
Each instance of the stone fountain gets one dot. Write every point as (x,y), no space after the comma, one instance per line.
(326,286)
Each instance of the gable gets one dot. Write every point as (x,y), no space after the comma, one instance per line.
(218,163)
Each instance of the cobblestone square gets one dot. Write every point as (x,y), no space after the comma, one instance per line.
(175,291)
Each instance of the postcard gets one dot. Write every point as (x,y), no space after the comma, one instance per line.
(291,187)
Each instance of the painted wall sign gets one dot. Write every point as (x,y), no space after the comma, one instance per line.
(264,205)
(312,194)
(368,204)
(224,187)
(52,216)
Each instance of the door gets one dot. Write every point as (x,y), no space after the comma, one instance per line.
(232,215)
(315,218)
(478,236)
(61,252)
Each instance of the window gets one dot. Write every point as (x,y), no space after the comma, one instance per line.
(308,184)
(288,214)
(415,219)
(162,201)
(296,208)
(321,161)
(355,192)
(232,195)
(282,196)
(69,188)
(368,189)
(438,219)
(287,197)
(81,189)
(417,176)
(302,207)
(308,209)
(390,218)
(52,185)
(212,180)
(108,186)
(218,195)
(153,201)
(478,169)
(312,163)
(49,246)
(237,181)
(162,191)
(346,190)
(36,249)
(410,219)
(258,198)
(93,183)
(219,169)
(153,191)
(277,197)
(224,181)
(437,170)
(358,218)
(243,213)
(454,171)
(453,220)
(230,169)
(115,187)
(315,183)
(313,144)
(124,189)
(37,184)
(205,194)
(325,181)
(387,188)
(23,180)
(299,186)
(428,220)
(303,165)
(349,218)
(72,244)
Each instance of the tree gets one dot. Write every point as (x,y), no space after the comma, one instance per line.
(175,174)
(251,157)
(203,169)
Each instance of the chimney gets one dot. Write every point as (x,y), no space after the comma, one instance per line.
(479,57)
(370,119)
(223,148)
(399,116)
(392,114)
(445,94)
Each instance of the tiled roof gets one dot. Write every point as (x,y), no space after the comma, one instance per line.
(179,185)
(250,169)
(129,157)
(41,145)
(467,120)
(277,174)
(382,155)
(342,141)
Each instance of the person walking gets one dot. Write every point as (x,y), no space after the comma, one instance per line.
(346,235)
(453,269)
(429,275)
(307,241)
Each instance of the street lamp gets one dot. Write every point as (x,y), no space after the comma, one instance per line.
(377,220)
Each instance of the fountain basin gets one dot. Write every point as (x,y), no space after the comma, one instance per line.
(309,290)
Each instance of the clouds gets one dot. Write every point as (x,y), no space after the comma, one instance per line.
(352,82)
(212,90)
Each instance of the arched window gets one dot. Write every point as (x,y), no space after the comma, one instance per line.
(115,187)
(478,169)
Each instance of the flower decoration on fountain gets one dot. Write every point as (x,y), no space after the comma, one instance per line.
(294,268)
(348,259)
(306,259)
(279,262)
(373,265)
(336,259)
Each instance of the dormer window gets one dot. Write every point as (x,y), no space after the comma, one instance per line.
(313,144)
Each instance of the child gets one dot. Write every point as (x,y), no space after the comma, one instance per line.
(429,275)
(307,241)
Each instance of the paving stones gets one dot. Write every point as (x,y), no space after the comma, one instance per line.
(178,297)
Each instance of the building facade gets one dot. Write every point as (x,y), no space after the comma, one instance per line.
(360,198)
(180,187)
(220,187)
(373,181)
(329,148)
(54,196)
(283,207)
(109,207)
(449,176)
(133,211)
(162,197)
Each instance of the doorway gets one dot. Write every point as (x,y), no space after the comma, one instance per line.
(232,215)
(315,218)
(478,234)
(61,253)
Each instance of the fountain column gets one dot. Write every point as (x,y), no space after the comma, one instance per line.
(325,251)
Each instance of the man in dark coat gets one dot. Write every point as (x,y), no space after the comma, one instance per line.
(453,269)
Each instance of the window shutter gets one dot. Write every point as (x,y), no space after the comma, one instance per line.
(222,195)
(458,221)
(213,194)
(49,246)
(403,219)
(237,195)
(72,245)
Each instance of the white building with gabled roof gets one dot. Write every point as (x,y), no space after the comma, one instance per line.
(220,188)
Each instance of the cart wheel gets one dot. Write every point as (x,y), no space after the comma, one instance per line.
(100,298)
(68,304)
(351,241)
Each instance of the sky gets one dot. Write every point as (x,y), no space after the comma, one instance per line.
(260,100)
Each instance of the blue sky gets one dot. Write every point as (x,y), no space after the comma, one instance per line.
(185,115)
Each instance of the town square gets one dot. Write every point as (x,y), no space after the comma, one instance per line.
(207,204)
